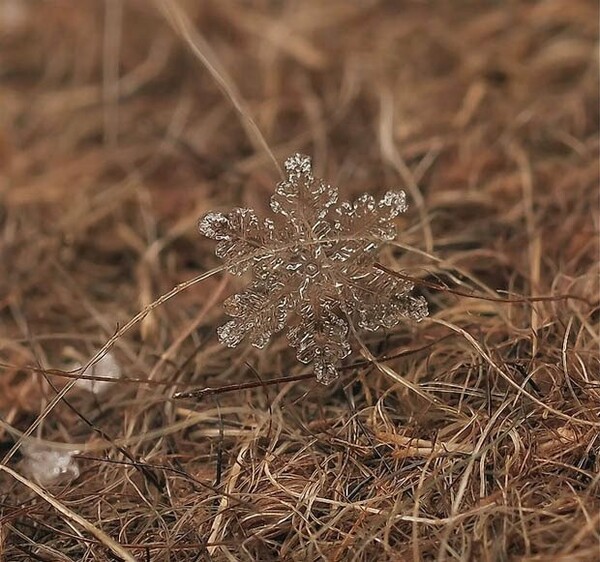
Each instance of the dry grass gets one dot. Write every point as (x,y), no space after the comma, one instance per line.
(122,123)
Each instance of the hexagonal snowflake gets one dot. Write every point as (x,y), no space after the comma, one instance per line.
(313,269)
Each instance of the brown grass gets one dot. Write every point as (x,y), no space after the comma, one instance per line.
(122,122)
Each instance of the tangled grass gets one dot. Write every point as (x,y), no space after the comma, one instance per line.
(470,436)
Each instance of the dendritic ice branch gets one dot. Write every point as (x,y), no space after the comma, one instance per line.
(313,269)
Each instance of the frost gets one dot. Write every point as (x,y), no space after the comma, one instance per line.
(107,368)
(47,466)
(313,268)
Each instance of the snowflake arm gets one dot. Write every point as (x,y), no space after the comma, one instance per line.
(258,312)
(320,337)
(362,225)
(240,235)
(382,300)
(303,199)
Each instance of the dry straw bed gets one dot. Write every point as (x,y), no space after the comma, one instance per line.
(471,435)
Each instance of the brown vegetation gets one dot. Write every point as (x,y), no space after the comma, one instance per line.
(122,122)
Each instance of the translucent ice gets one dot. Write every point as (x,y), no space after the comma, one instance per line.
(49,466)
(313,266)
(106,367)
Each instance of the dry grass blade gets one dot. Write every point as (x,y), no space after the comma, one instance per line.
(511,382)
(199,46)
(102,537)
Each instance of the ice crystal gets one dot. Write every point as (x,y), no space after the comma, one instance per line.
(313,269)
(107,368)
(47,466)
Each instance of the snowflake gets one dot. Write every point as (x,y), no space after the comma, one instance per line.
(313,269)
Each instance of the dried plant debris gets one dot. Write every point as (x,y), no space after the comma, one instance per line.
(313,268)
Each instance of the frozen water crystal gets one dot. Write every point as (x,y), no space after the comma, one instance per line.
(313,268)
(48,466)
(107,368)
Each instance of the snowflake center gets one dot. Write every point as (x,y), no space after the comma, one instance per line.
(311,269)
(309,264)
